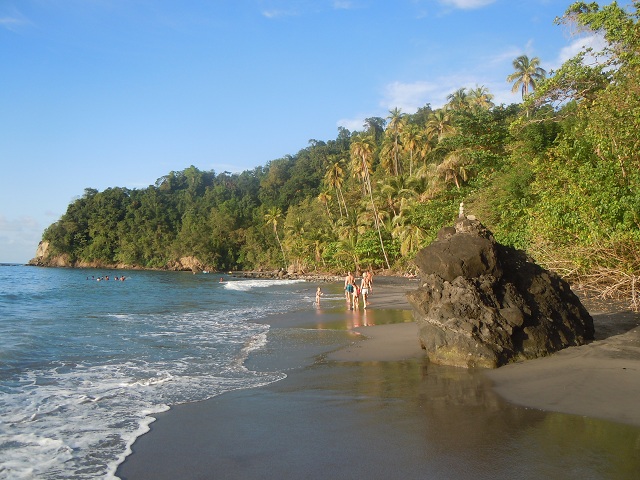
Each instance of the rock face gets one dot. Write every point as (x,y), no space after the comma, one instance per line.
(482,304)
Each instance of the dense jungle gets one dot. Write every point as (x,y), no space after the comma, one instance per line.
(556,175)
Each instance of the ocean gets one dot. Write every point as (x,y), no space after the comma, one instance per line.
(86,363)
(86,359)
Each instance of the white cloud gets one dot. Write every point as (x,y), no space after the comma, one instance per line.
(278,13)
(595,41)
(342,5)
(467,4)
(505,56)
(353,124)
(19,239)
(409,96)
(13,22)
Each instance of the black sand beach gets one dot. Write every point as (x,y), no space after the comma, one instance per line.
(361,401)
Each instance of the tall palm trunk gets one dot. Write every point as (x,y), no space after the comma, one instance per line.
(367,182)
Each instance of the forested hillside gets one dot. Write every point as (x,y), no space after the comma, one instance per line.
(557,175)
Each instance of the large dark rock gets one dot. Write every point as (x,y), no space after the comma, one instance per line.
(482,304)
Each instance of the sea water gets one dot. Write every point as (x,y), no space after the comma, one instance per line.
(87,359)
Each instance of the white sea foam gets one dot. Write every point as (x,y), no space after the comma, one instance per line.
(86,373)
(246,285)
(56,415)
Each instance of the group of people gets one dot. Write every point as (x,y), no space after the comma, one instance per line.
(353,291)
(106,278)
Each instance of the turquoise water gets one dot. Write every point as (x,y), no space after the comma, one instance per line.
(85,363)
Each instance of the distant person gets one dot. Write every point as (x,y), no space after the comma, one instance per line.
(221,280)
(355,297)
(365,286)
(318,295)
(349,284)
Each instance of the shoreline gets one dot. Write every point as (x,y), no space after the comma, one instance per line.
(361,402)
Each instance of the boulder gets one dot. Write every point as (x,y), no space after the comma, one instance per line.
(187,263)
(482,304)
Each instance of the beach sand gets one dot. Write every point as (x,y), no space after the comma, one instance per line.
(361,401)
(600,380)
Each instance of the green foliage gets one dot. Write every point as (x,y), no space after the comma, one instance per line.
(558,176)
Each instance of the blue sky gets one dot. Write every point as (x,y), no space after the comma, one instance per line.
(104,93)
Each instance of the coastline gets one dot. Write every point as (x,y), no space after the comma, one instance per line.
(359,401)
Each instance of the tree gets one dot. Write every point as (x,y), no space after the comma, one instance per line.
(439,125)
(273,217)
(335,178)
(454,167)
(527,74)
(458,100)
(375,126)
(411,139)
(481,97)
(394,130)
(362,153)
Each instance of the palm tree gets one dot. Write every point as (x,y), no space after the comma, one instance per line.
(394,129)
(439,125)
(362,154)
(335,178)
(411,138)
(528,73)
(273,217)
(391,191)
(454,167)
(480,97)
(362,149)
(458,100)
(324,198)
(296,230)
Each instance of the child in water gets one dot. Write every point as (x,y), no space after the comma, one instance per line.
(318,295)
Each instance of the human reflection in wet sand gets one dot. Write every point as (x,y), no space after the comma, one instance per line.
(359,318)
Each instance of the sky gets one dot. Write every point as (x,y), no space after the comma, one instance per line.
(118,93)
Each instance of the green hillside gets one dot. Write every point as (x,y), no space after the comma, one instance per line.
(557,175)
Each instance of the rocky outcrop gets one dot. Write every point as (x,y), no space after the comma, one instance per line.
(44,258)
(187,263)
(482,304)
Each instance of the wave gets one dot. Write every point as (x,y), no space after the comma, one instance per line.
(246,285)
(93,370)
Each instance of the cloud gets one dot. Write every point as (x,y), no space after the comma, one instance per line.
(354,124)
(467,4)
(13,22)
(408,96)
(595,41)
(272,14)
(343,5)
(286,8)
(19,238)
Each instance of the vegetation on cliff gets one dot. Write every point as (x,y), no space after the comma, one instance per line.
(557,175)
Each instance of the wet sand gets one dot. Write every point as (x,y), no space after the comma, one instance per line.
(361,401)
(599,380)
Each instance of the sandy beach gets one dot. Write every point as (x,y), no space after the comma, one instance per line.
(600,380)
(361,401)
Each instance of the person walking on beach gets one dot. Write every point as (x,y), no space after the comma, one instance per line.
(347,282)
(365,287)
(349,287)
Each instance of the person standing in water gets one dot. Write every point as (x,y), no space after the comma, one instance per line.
(349,288)
(365,287)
